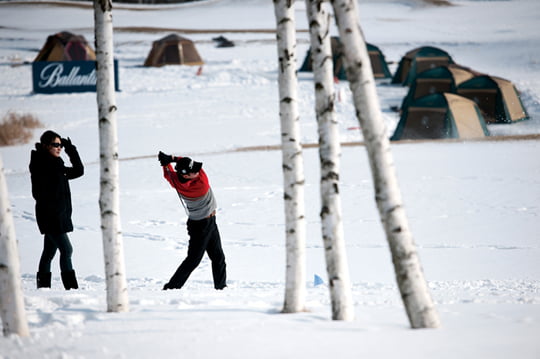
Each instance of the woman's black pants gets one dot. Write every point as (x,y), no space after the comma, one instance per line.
(51,243)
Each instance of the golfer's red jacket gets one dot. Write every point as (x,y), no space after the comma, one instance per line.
(195,188)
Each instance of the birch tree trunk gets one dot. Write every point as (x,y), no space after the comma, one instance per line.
(410,278)
(11,298)
(329,155)
(109,199)
(293,167)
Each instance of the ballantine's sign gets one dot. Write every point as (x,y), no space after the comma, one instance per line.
(67,76)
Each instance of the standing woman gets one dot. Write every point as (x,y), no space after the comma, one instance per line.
(50,189)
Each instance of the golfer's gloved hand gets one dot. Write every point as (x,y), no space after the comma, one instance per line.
(164,159)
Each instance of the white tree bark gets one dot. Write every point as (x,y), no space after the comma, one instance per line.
(109,198)
(410,278)
(293,167)
(11,297)
(329,155)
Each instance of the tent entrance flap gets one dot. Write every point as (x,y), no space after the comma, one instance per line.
(425,123)
(171,55)
(486,99)
(429,86)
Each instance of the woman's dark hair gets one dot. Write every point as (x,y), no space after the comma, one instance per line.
(48,137)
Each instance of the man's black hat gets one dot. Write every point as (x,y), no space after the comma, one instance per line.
(186,165)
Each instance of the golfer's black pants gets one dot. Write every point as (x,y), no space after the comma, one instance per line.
(203,237)
(52,243)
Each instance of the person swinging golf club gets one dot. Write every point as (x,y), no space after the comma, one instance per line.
(191,183)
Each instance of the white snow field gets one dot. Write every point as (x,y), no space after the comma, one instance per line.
(473,206)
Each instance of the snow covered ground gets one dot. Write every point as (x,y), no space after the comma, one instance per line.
(473,206)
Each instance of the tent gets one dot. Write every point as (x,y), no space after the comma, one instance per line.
(65,46)
(439,79)
(339,69)
(441,115)
(378,62)
(376,57)
(419,60)
(173,50)
(497,98)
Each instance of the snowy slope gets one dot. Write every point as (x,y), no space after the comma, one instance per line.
(473,206)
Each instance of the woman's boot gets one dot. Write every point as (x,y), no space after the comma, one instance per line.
(69,280)
(43,279)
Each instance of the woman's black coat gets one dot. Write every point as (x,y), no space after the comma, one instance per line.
(50,188)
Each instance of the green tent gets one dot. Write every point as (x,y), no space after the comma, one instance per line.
(378,62)
(497,98)
(419,60)
(441,115)
(439,79)
(376,57)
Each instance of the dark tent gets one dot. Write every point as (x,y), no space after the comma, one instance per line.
(376,57)
(65,46)
(441,115)
(222,41)
(497,98)
(419,60)
(439,79)
(173,50)
(337,60)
